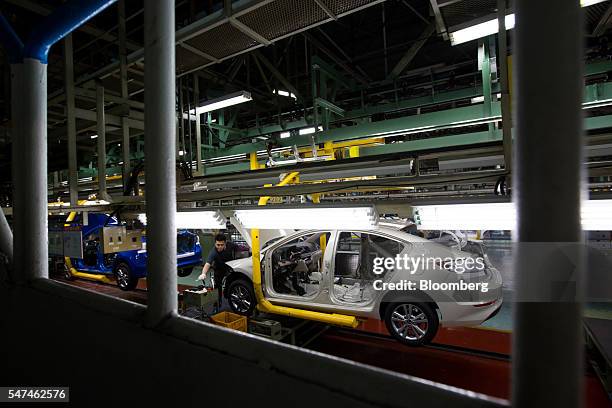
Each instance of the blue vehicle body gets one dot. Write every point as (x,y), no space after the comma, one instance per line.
(189,251)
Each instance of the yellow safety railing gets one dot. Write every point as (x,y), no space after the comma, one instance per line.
(71,269)
(265,306)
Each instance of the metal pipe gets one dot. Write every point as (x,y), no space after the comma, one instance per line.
(6,239)
(59,24)
(189,143)
(70,120)
(123,76)
(160,159)
(31,185)
(503,79)
(198,128)
(547,341)
(17,167)
(101,129)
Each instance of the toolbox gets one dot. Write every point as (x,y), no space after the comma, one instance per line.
(199,298)
(265,328)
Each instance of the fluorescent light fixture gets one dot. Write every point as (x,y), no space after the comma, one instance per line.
(587,3)
(223,102)
(200,220)
(596,216)
(479,30)
(480,99)
(597,104)
(285,135)
(310,130)
(194,219)
(93,136)
(285,93)
(492,26)
(308,218)
(489,216)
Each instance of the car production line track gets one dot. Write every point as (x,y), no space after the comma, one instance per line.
(476,359)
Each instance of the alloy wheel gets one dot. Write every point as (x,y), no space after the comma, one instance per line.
(409,321)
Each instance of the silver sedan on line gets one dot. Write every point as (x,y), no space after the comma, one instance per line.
(412,284)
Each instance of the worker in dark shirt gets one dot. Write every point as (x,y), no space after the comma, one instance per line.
(217,257)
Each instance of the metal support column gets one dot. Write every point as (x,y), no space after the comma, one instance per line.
(547,341)
(70,120)
(123,72)
(6,239)
(31,184)
(18,168)
(160,159)
(198,128)
(101,128)
(504,88)
(485,61)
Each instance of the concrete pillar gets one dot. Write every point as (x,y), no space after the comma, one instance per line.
(547,338)
(31,183)
(160,159)
(70,120)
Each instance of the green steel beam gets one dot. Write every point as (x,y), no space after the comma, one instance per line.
(433,143)
(276,73)
(324,103)
(598,68)
(597,92)
(411,124)
(226,168)
(331,72)
(266,130)
(438,98)
(598,122)
(427,121)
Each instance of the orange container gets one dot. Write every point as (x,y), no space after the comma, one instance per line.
(230,320)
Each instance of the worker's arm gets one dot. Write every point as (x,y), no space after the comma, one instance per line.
(204,271)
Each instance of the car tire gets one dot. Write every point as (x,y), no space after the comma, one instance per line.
(125,278)
(241,297)
(411,323)
(183,272)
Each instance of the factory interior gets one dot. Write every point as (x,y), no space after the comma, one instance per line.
(364,203)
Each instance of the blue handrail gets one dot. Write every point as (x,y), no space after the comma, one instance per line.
(54,27)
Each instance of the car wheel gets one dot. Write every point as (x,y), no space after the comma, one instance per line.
(411,323)
(241,297)
(124,277)
(182,272)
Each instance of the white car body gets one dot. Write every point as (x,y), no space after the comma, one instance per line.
(451,310)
